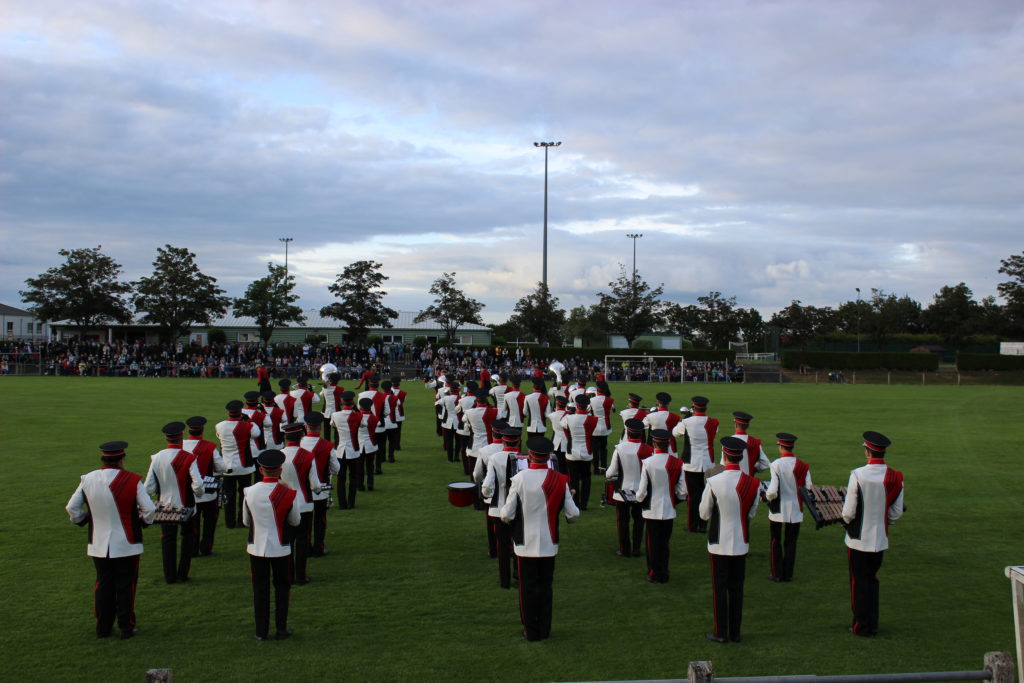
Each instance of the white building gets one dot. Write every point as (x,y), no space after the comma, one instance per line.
(18,324)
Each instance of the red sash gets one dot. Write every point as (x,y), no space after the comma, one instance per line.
(371,427)
(281,500)
(674,468)
(588,429)
(711,428)
(401,402)
(378,406)
(302,461)
(275,415)
(307,400)
(337,392)
(644,452)
(800,470)
(893,484)
(746,489)
(203,450)
(289,407)
(124,487)
(322,456)
(670,422)
(753,452)
(181,464)
(242,431)
(489,416)
(354,419)
(554,495)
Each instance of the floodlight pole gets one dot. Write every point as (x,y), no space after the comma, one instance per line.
(634,238)
(545,145)
(286,240)
(858,319)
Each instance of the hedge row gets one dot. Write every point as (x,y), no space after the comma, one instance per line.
(988,361)
(832,360)
(567,352)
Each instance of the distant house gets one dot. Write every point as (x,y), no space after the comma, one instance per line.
(242,330)
(18,324)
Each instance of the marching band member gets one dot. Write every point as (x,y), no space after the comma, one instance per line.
(269,505)
(113,502)
(556,368)
(514,403)
(380,409)
(785,509)
(874,500)
(581,429)
(729,502)
(304,395)
(210,464)
(634,411)
(447,402)
(396,389)
(498,392)
(601,407)
(560,434)
(755,460)
(331,393)
(325,461)
(624,471)
(578,386)
(347,422)
(661,486)
(535,410)
(390,444)
(662,417)
(697,452)
(464,402)
(273,418)
(326,370)
(292,406)
(367,435)
(174,478)
(238,447)
(480,420)
(299,473)
(501,465)
(535,498)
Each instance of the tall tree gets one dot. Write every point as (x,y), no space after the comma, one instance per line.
(888,315)
(800,324)
(540,317)
(1013,292)
(684,321)
(751,326)
(632,307)
(719,321)
(451,307)
(178,295)
(84,289)
(588,324)
(953,315)
(360,302)
(271,302)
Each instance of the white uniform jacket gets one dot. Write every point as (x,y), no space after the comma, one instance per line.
(559,433)
(874,499)
(479,420)
(700,430)
(296,413)
(483,456)
(400,410)
(789,475)
(535,497)
(661,486)
(626,465)
(629,414)
(754,458)
(325,458)
(269,505)
(212,466)
(513,407)
(448,405)
(115,504)
(495,484)
(461,406)
(232,434)
(174,477)
(535,412)
(601,407)
(581,427)
(729,503)
(498,392)
(332,399)
(347,422)
(299,473)
(666,419)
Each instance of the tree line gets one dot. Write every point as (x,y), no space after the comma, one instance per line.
(87,289)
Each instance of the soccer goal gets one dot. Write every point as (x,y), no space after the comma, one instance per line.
(644,368)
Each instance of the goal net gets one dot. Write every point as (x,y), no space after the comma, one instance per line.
(644,368)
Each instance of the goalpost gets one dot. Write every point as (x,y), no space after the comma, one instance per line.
(642,368)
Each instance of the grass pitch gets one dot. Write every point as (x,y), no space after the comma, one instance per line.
(407,592)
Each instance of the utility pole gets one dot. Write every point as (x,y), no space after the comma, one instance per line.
(546,145)
(286,240)
(634,238)
(858,319)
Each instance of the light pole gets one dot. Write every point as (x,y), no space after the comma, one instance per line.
(286,240)
(858,319)
(546,145)
(634,237)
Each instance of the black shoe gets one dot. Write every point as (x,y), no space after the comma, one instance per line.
(774,578)
(716,639)
(621,554)
(302,582)
(735,639)
(859,635)
(127,633)
(257,636)
(281,635)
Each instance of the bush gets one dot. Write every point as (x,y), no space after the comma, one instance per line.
(988,361)
(642,344)
(373,340)
(216,336)
(839,360)
(314,339)
(419,341)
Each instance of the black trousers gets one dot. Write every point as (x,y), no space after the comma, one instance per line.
(694,493)
(369,465)
(448,439)
(579,481)
(783,549)
(659,533)
(114,592)
(624,513)
(864,590)
(234,485)
(492,535)
(300,545)
(319,527)
(176,567)
(204,526)
(727,575)
(536,576)
(391,439)
(398,436)
(599,445)
(461,448)
(350,477)
(503,547)
(260,569)
(563,464)
(378,456)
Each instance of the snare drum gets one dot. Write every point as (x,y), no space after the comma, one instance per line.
(461,493)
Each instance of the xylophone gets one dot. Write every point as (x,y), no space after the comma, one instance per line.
(825,503)
(170,514)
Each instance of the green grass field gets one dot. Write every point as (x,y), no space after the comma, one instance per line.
(408,593)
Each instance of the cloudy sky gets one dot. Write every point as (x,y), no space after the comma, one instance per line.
(771,150)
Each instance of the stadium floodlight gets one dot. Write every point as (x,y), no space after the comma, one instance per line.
(546,146)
